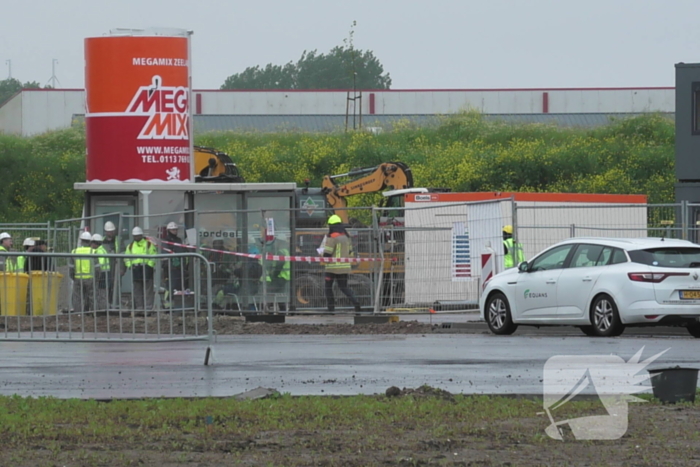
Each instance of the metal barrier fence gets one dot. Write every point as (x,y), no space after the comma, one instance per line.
(425,258)
(432,255)
(48,301)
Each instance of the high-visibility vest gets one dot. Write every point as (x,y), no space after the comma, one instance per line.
(339,247)
(21,261)
(83,266)
(104,262)
(286,273)
(9,262)
(142,248)
(508,259)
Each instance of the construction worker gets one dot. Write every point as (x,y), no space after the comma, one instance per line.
(142,269)
(7,264)
(42,263)
(511,250)
(281,271)
(338,245)
(110,243)
(172,268)
(248,273)
(103,275)
(27,244)
(82,270)
(223,264)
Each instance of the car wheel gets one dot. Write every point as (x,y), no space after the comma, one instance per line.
(588,330)
(498,316)
(605,317)
(694,330)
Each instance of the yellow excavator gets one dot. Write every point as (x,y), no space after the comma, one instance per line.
(388,175)
(211,165)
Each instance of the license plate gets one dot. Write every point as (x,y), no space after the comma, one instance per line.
(690,294)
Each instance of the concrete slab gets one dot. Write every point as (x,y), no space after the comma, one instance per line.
(257,393)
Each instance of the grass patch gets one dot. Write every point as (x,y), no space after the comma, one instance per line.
(286,430)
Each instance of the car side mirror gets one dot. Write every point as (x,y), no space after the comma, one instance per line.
(523,267)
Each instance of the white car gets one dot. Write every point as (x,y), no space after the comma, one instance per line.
(600,285)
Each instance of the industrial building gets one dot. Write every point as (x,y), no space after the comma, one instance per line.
(35,111)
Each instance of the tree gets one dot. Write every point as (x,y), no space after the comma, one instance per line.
(344,67)
(10,86)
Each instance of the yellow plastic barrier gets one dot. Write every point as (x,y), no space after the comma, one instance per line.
(13,293)
(44,289)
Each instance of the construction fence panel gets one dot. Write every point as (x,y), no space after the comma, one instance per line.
(308,275)
(30,308)
(65,238)
(22,231)
(435,259)
(691,218)
(540,226)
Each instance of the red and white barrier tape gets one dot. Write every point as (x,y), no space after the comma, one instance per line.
(270,257)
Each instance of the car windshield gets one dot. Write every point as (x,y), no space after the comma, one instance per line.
(667,257)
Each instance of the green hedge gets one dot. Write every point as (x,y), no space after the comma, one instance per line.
(465,153)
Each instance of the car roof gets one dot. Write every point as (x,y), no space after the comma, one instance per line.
(638,243)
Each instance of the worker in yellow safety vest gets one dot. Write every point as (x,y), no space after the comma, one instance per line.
(338,245)
(82,271)
(278,273)
(142,268)
(103,276)
(511,249)
(110,242)
(7,264)
(22,260)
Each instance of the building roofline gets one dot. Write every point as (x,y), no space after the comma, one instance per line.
(599,89)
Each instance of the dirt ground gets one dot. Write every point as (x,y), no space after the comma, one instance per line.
(223,325)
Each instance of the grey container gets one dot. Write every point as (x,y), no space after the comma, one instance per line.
(673,385)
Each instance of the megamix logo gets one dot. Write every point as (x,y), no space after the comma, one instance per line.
(167,108)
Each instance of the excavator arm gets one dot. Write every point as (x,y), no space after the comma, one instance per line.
(389,175)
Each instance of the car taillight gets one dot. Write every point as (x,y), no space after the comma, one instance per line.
(654,277)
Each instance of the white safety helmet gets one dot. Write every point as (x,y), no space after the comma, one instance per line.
(4,235)
(97,238)
(172,226)
(109,227)
(136,231)
(86,236)
(28,242)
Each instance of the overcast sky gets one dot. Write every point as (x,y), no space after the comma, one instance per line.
(423,44)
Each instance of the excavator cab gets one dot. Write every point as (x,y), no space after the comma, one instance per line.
(213,166)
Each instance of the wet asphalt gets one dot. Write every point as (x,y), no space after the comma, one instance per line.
(459,357)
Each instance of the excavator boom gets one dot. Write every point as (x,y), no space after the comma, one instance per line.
(389,175)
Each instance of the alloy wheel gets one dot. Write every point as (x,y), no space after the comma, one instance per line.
(497,313)
(603,315)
